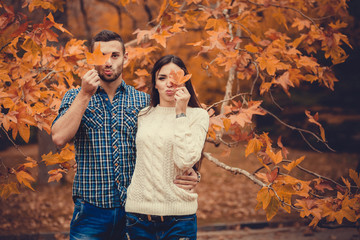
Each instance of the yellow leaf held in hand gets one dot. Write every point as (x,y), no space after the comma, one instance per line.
(179,77)
(97,57)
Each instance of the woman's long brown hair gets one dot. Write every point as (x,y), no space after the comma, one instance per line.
(154,94)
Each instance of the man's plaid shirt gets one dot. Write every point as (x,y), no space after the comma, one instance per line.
(105,145)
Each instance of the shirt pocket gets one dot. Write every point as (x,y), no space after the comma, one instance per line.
(130,118)
(93,118)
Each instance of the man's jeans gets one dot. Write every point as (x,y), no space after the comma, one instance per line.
(141,227)
(94,223)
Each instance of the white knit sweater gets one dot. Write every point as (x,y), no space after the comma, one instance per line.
(166,146)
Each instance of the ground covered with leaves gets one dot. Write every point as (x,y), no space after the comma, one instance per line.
(224,198)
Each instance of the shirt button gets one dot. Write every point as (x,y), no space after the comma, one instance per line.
(114,130)
(114,114)
(116,164)
(117,181)
(114,147)
(106,99)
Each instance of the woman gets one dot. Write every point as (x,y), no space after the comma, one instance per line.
(170,138)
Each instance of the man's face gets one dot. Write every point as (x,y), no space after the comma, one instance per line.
(113,67)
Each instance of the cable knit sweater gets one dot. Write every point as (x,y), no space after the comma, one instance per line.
(166,147)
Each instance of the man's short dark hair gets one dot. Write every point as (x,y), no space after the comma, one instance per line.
(107,36)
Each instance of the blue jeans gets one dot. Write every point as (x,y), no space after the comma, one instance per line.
(141,227)
(94,223)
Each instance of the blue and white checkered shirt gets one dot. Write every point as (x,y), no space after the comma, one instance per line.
(105,145)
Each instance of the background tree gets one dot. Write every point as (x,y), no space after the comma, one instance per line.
(244,56)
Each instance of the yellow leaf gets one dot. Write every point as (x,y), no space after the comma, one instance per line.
(178,78)
(347,183)
(251,48)
(97,57)
(50,158)
(55,175)
(293,164)
(174,4)
(276,158)
(354,176)
(25,178)
(8,103)
(216,24)
(227,123)
(57,25)
(161,38)
(24,132)
(31,163)
(162,9)
(253,146)
(8,189)
(272,208)
(262,162)
(264,197)
(268,63)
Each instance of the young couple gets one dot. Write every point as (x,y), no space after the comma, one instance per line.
(115,126)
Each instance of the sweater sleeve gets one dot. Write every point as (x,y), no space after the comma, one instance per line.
(190,135)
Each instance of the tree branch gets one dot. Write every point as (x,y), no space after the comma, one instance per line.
(248,175)
(318,175)
(13,143)
(300,130)
(234,170)
(226,100)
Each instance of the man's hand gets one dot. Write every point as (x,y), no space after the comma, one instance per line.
(188,180)
(90,82)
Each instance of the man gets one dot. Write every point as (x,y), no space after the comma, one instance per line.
(102,117)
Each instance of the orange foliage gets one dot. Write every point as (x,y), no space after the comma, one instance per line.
(261,44)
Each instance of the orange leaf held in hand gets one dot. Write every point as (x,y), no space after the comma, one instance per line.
(179,77)
(97,57)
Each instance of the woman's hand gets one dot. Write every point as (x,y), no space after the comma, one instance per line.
(182,97)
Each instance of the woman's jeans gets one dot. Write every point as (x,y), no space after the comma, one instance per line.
(94,223)
(150,227)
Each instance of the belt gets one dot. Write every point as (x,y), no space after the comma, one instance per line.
(153,218)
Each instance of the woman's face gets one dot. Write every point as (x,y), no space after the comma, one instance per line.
(164,85)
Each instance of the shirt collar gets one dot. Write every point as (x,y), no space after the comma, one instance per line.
(121,87)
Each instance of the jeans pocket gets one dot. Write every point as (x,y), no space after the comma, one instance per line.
(78,211)
(131,220)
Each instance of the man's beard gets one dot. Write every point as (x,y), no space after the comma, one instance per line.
(112,79)
(103,77)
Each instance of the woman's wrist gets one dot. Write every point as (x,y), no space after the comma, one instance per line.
(180,115)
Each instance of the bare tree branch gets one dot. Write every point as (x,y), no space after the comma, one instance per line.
(300,130)
(226,100)
(234,170)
